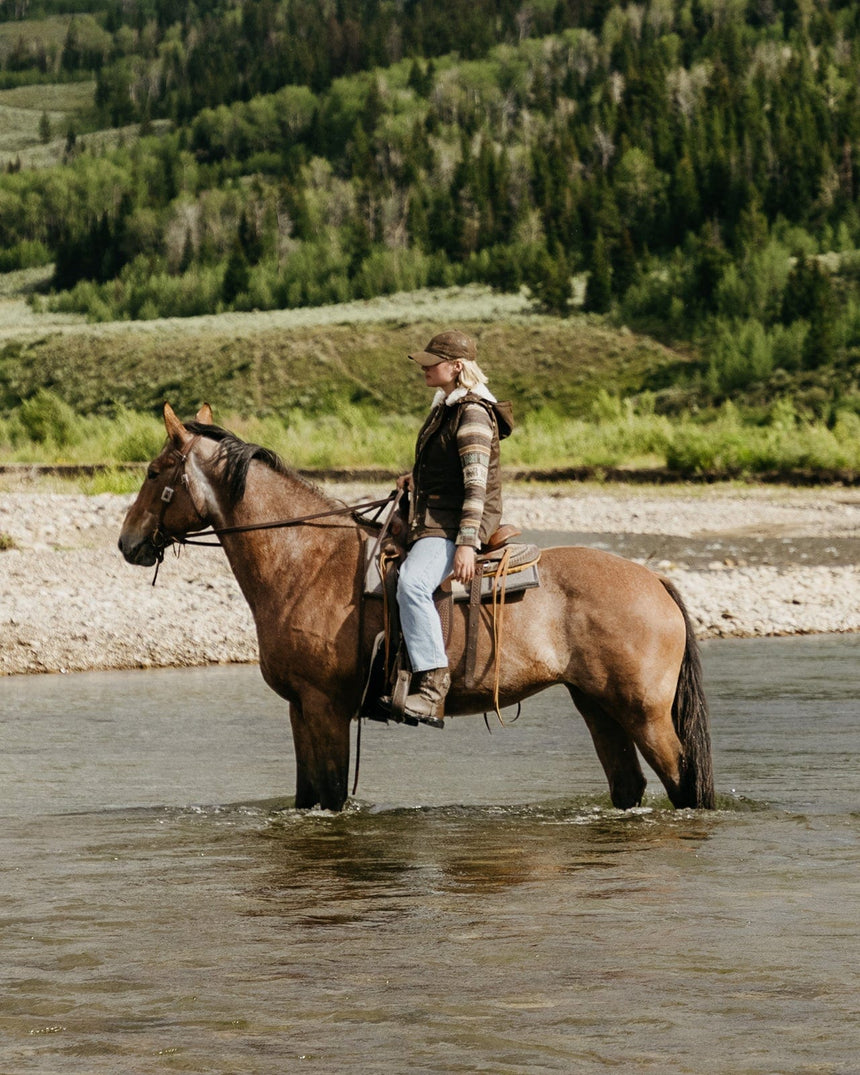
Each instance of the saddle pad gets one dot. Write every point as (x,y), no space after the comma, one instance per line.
(521,578)
(522,572)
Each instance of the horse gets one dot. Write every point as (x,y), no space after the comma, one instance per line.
(616,634)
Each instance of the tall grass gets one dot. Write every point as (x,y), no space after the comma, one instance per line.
(617,433)
(45,429)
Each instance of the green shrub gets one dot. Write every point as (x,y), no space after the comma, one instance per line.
(27,254)
(134,438)
(754,287)
(730,446)
(789,344)
(654,303)
(45,418)
(550,285)
(385,272)
(740,353)
(351,435)
(112,480)
(616,435)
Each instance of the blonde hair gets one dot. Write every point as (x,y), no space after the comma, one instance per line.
(470,374)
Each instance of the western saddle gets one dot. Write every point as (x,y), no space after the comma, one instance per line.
(505,570)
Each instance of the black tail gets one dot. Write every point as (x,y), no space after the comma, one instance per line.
(690,717)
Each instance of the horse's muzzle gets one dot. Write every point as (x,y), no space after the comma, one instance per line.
(141,552)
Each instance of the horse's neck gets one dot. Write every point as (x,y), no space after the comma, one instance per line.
(270,495)
(272,564)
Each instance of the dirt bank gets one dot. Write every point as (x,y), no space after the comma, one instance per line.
(69,602)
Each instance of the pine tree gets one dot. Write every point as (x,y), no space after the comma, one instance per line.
(249,239)
(187,258)
(549,282)
(625,269)
(237,275)
(598,290)
(809,296)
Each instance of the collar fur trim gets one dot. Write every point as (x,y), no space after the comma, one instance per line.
(458,393)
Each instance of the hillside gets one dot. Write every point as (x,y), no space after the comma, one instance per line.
(687,173)
(331,388)
(316,358)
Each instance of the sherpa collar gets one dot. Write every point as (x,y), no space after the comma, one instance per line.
(458,393)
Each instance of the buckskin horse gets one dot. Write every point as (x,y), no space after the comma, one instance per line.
(614,633)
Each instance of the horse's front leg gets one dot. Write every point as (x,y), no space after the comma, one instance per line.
(321,739)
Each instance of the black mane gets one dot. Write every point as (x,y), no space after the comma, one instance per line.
(236,454)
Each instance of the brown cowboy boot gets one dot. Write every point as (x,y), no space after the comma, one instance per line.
(427,704)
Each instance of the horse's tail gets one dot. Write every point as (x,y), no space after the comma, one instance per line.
(690,717)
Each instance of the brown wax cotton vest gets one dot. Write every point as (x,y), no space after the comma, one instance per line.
(438,490)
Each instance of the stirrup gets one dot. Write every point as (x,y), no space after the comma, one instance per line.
(392,706)
(432,722)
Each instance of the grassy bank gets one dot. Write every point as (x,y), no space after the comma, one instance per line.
(265,364)
(353,436)
(333,388)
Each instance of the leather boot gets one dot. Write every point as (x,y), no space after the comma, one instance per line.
(427,704)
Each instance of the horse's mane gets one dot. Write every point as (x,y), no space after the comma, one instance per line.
(236,456)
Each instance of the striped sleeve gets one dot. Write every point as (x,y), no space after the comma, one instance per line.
(474,440)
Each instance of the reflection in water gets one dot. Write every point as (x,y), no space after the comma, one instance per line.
(466,851)
(481,907)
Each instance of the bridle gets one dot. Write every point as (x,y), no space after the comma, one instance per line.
(162,538)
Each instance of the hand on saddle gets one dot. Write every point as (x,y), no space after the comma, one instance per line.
(464,563)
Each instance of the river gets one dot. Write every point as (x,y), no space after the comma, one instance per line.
(479,907)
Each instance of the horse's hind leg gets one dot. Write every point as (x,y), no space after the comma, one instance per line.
(658,742)
(651,728)
(616,752)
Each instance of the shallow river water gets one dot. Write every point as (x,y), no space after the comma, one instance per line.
(479,907)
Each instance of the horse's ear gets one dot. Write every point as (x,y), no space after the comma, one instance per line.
(175,429)
(204,415)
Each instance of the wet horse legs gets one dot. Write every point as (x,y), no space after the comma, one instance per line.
(616,752)
(321,740)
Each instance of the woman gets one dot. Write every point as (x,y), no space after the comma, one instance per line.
(456,505)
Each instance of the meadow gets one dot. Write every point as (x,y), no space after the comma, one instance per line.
(21,113)
(332,388)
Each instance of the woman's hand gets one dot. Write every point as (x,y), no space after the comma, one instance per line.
(404,482)
(464,563)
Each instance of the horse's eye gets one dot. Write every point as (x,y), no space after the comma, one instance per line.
(151,474)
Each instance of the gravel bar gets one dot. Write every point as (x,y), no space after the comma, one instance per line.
(71,603)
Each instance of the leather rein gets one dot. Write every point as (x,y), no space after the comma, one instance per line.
(162,538)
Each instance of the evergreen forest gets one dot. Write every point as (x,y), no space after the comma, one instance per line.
(689,169)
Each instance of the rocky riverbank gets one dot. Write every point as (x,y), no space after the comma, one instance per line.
(748,561)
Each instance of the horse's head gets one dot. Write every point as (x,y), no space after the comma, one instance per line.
(166,506)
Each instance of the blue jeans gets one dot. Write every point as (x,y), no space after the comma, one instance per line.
(429,561)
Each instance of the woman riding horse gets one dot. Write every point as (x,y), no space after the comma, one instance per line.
(614,633)
(456,505)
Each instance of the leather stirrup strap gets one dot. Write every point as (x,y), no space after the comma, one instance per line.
(390,612)
(472,627)
(498,624)
(444,601)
